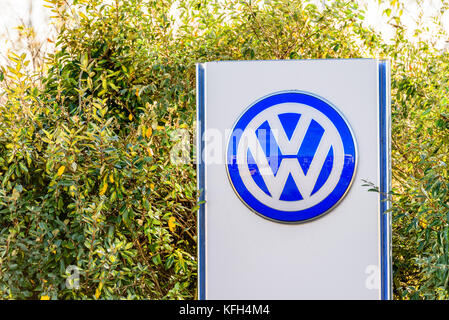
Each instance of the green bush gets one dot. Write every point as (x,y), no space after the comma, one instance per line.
(86,177)
(420,131)
(86,146)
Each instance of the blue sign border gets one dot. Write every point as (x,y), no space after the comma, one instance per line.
(385,178)
(201,181)
(347,174)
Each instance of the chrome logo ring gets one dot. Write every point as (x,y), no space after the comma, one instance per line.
(291,157)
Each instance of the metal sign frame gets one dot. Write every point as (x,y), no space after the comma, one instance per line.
(384,113)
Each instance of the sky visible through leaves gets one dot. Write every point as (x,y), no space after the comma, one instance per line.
(33,12)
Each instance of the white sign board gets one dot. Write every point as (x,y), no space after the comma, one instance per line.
(285,152)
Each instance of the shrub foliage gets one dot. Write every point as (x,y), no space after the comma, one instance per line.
(87,146)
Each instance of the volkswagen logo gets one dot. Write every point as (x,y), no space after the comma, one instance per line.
(291,157)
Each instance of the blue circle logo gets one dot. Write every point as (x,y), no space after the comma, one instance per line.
(291,157)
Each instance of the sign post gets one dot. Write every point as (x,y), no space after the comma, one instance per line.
(286,153)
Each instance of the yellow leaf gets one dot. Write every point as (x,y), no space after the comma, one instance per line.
(72,190)
(98,290)
(82,15)
(172,224)
(60,171)
(423,223)
(130,117)
(149,132)
(103,190)
(45,298)
(152,186)
(111,178)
